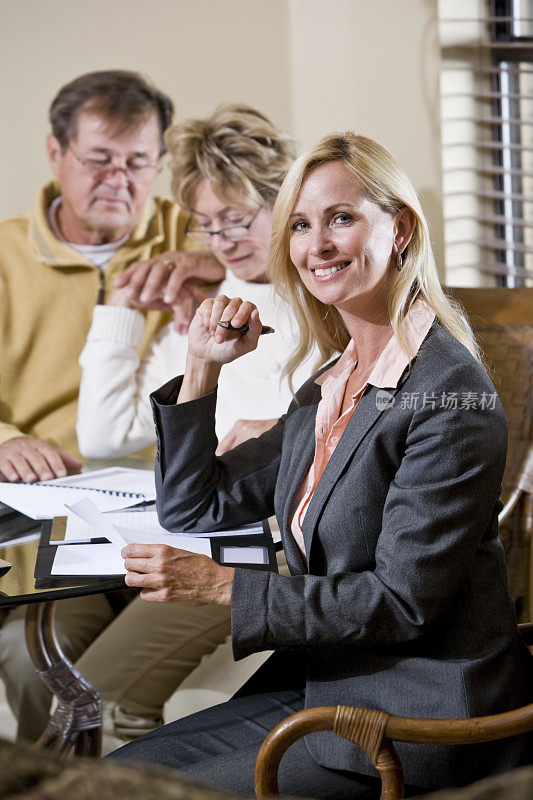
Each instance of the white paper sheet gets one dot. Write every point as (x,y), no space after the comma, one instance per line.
(86,522)
(105,559)
(254,529)
(88,559)
(109,488)
(87,511)
(145,521)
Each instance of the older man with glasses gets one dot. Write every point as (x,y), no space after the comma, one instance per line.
(87,228)
(93,226)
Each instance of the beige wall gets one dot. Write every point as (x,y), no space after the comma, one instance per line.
(201,52)
(374,67)
(312,65)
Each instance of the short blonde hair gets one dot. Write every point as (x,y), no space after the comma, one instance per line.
(243,155)
(385,183)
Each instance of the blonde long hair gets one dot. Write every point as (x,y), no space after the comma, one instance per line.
(384,182)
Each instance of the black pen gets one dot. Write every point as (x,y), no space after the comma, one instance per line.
(244,328)
(94,540)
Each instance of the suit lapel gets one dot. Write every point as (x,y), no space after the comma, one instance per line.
(365,416)
(304,446)
(362,420)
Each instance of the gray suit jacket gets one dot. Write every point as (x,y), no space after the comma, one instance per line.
(404,605)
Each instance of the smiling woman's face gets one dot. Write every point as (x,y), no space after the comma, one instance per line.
(247,257)
(341,242)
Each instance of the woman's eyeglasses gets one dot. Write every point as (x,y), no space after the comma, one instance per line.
(232,233)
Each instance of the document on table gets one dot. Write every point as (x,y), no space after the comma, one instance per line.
(146,521)
(105,559)
(110,489)
(73,557)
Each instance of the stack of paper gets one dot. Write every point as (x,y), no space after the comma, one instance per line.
(73,557)
(110,489)
(85,522)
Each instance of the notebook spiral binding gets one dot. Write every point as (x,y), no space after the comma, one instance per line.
(113,492)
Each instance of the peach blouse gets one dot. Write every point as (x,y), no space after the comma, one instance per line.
(335,383)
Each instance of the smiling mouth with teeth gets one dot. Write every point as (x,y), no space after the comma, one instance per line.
(324,272)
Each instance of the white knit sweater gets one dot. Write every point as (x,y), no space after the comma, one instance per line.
(114,414)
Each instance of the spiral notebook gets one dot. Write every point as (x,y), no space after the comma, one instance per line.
(110,489)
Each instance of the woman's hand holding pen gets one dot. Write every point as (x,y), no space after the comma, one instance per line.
(211,342)
(211,346)
(166,574)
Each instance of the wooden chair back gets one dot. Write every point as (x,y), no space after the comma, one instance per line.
(503,322)
(375,731)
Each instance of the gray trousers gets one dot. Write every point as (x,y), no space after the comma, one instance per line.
(136,659)
(218,747)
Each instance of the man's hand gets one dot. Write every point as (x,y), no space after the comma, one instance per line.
(170,281)
(27,459)
(242,430)
(169,575)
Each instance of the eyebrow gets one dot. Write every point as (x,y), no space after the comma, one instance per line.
(219,214)
(326,210)
(108,152)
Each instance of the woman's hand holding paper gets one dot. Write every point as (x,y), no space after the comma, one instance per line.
(169,575)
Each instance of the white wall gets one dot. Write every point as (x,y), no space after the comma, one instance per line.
(312,65)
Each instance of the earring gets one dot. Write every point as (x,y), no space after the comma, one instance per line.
(399,260)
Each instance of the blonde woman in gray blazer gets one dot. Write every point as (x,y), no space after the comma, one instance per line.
(384,476)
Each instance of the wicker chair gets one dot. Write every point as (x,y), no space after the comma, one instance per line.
(503,321)
(375,732)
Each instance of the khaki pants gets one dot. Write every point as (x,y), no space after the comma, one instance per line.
(136,659)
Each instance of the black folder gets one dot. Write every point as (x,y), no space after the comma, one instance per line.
(230,551)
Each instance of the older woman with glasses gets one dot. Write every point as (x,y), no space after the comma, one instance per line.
(227,170)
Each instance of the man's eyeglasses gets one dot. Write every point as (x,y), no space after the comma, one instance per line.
(135,169)
(233,233)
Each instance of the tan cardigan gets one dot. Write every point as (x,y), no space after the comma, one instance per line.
(47,295)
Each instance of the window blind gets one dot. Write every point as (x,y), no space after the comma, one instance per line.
(487,140)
